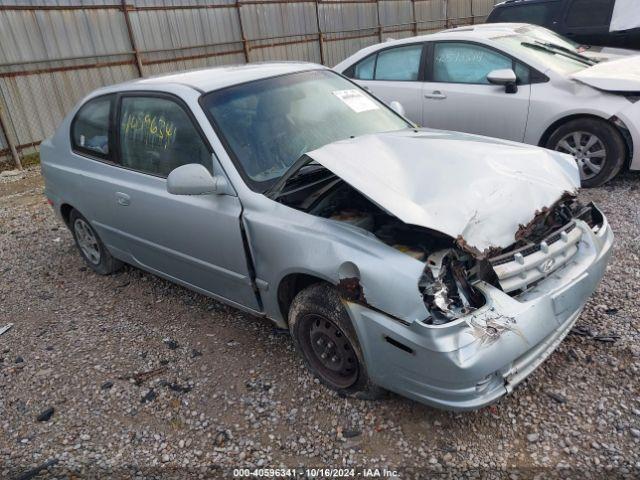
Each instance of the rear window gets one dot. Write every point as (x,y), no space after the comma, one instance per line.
(90,128)
(537,13)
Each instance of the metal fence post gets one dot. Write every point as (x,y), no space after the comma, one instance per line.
(473,18)
(12,147)
(446,13)
(245,43)
(415,19)
(379,23)
(132,40)
(320,35)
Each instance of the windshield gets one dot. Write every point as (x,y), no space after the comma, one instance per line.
(268,124)
(545,35)
(527,46)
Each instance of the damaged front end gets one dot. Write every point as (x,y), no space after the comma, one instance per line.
(445,286)
(461,285)
(453,268)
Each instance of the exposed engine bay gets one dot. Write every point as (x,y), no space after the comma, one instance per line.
(451,267)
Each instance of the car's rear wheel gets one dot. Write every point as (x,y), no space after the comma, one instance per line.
(596,145)
(325,338)
(90,246)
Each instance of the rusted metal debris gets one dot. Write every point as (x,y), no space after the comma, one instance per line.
(351,290)
(6,328)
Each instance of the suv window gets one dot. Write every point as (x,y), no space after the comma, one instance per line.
(90,129)
(157,136)
(401,63)
(589,13)
(465,63)
(537,13)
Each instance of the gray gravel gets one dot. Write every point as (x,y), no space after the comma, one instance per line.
(146,378)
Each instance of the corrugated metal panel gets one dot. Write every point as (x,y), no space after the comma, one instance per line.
(52,56)
(37,103)
(430,15)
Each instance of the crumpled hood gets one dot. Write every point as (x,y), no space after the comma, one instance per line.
(476,189)
(622,75)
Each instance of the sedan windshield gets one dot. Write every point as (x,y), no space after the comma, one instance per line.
(548,36)
(552,56)
(268,124)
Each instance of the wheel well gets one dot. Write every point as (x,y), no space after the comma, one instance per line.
(549,131)
(65,211)
(625,137)
(290,286)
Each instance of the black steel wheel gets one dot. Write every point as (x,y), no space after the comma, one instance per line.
(329,351)
(325,338)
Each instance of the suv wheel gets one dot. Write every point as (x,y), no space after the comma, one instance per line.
(596,145)
(325,338)
(91,247)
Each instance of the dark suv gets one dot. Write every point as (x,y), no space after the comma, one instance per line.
(590,22)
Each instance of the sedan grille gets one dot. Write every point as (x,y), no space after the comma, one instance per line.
(520,269)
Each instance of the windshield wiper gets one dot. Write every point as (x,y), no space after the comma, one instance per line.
(569,51)
(558,50)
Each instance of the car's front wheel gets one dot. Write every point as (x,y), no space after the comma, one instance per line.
(325,338)
(596,145)
(91,247)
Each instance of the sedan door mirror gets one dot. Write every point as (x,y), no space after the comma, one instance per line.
(506,77)
(397,107)
(191,179)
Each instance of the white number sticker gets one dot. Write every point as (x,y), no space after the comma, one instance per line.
(356,100)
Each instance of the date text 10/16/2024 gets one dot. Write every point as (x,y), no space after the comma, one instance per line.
(315,473)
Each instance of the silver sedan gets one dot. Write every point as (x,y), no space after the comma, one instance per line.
(442,266)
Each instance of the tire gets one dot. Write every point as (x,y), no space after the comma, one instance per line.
(93,251)
(317,315)
(609,145)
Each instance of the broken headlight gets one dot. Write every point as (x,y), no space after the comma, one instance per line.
(446,289)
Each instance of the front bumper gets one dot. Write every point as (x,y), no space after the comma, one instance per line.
(455,366)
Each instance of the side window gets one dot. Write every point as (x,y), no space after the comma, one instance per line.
(589,13)
(157,136)
(466,63)
(90,127)
(364,68)
(401,63)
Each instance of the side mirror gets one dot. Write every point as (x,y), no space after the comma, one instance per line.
(191,179)
(397,107)
(506,77)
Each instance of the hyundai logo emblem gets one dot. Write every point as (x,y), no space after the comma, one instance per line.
(547,265)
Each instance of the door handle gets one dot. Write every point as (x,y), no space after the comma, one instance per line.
(366,88)
(435,95)
(123,199)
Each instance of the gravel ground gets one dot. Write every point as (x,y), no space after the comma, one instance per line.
(146,378)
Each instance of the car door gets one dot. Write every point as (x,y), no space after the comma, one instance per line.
(394,74)
(194,240)
(587,22)
(458,96)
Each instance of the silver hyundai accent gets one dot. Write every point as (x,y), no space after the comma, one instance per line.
(442,266)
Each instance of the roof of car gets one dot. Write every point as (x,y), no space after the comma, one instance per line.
(468,32)
(214,78)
